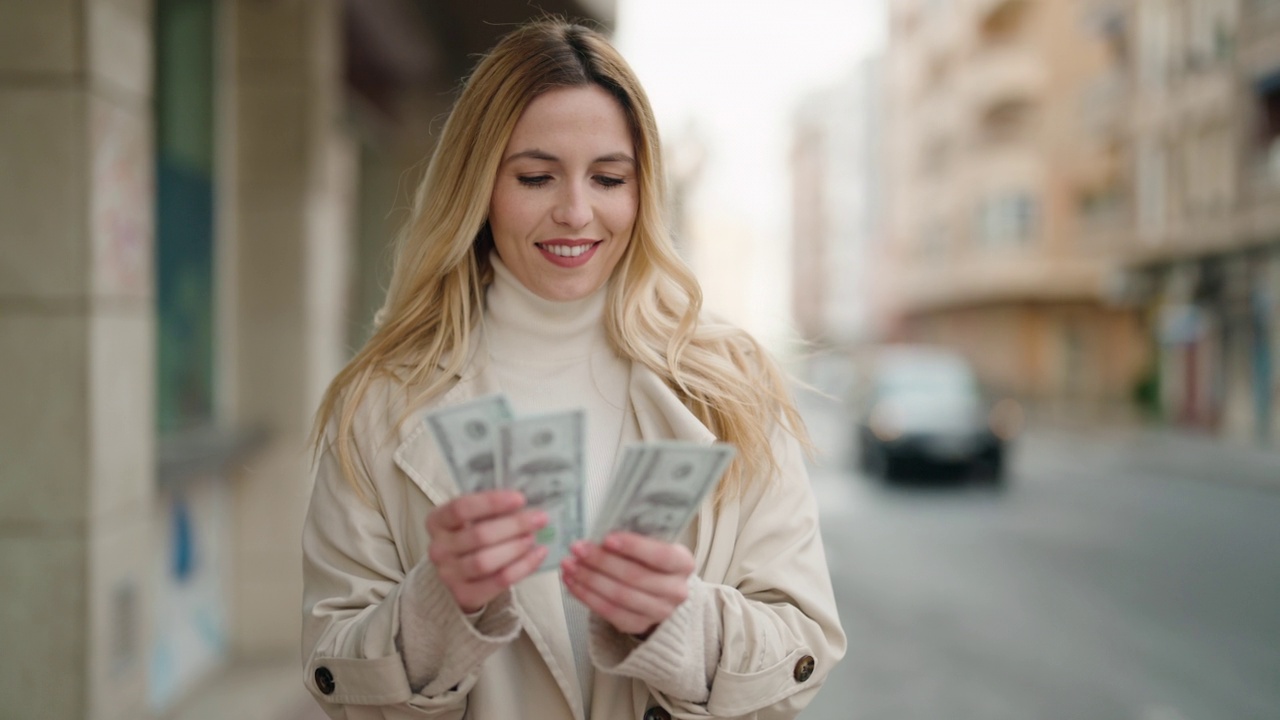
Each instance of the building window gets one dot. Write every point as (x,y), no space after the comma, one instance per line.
(1153,177)
(1209,37)
(1154,44)
(1007,121)
(1007,219)
(1005,21)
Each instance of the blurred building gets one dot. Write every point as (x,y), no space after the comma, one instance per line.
(992,174)
(1193,101)
(196,199)
(837,195)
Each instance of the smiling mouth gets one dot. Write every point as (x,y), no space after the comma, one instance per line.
(568,251)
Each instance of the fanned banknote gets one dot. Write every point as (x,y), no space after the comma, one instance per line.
(664,488)
(626,464)
(468,437)
(544,457)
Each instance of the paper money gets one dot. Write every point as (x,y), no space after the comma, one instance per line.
(622,472)
(665,487)
(544,457)
(468,438)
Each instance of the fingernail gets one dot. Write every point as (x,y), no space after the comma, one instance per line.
(613,542)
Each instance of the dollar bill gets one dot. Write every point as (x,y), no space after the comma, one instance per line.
(665,487)
(544,457)
(468,438)
(623,470)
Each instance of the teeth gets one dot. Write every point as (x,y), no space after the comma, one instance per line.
(570,251)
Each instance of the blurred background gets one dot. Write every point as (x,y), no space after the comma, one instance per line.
(1024,256)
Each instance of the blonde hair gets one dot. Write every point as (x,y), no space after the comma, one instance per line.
(652,316)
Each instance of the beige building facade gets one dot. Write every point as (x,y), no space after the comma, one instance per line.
(1200,245)
(196,199)
(991,167)
(837,191)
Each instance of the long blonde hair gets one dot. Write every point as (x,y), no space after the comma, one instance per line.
(652,316)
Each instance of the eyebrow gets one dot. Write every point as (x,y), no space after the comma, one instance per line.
(536,154)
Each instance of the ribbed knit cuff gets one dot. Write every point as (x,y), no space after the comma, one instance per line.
(441,646)
(678,659)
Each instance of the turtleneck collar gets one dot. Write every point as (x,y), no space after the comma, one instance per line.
(521,326)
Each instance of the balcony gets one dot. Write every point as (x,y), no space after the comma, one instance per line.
(1003,74)
(985,279)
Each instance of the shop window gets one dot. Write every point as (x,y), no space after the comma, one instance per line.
(1268,114)
(184,213)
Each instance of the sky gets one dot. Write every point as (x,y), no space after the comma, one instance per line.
(735,71)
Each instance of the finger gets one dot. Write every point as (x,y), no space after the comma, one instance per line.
(663,557)
(634,599)
(482,591)
(494,531)
(627,571)
(466,509)
(620,618)
(492,558)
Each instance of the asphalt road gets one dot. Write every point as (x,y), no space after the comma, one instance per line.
(1119,577)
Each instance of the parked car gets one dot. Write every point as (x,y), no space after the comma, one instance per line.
(922,409)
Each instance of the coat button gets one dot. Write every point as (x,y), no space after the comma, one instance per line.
(324,680)
(657,713)
(804,668)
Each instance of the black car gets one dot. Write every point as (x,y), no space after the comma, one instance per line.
(923,409)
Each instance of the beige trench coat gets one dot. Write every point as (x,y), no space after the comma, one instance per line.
(761,573)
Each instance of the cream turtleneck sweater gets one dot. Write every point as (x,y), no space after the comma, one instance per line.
(549,356)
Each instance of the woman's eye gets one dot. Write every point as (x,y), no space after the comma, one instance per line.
(610,181)
(534,180)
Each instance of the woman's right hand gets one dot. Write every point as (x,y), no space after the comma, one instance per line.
(483,543)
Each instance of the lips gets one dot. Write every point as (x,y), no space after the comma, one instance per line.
(568,253)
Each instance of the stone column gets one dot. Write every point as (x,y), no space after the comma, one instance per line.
(76,356)
(286,220)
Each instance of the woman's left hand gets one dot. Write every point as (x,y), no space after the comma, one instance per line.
(630,580)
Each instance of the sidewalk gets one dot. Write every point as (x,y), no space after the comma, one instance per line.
(251,691)
(1177,452)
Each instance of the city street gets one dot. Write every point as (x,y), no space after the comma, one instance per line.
(1121,575)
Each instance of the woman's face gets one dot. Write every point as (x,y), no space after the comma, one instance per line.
(565,198)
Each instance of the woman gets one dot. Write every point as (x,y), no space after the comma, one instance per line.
(536,264)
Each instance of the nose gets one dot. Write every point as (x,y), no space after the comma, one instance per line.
(573,206)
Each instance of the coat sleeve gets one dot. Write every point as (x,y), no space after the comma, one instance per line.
(361,609)
(773,614)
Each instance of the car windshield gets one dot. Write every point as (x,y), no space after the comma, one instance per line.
(932,376)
